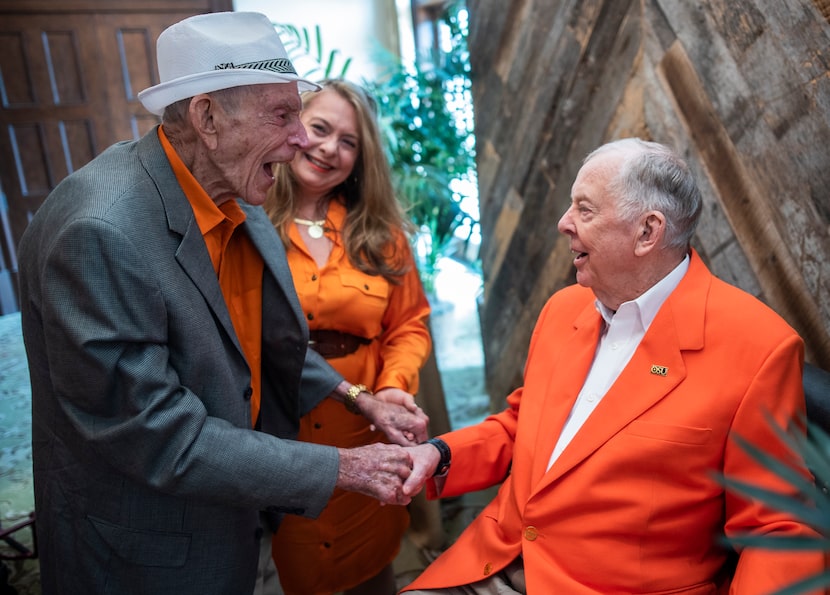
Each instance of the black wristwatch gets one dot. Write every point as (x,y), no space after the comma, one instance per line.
(446,456)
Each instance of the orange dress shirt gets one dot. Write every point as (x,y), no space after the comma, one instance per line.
(238,265)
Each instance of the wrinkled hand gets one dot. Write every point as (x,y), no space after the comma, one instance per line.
(377,470)
(398,397)
(395,413)
(425,459)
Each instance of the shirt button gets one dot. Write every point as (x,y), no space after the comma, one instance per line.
(310,316)
(531,533)
(366,287)
(591,398)
(318,425)
(488,568)
(248,392)
(314,277)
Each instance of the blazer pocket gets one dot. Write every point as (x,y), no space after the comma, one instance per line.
(143,547)
(669,433)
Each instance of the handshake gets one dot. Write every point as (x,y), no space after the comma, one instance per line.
(391,473)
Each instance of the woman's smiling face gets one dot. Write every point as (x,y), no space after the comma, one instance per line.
(333,143)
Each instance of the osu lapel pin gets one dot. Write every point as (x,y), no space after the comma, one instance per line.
(659,370)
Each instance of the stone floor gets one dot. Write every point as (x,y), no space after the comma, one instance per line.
(16,490)
(457,344)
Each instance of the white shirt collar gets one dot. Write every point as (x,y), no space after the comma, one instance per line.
(648,304)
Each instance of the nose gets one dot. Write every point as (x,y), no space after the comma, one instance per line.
(328,145)
(299,138)
(566,224)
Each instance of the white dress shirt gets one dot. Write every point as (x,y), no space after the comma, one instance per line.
(621,334)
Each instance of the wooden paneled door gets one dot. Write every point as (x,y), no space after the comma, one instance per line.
(70,71)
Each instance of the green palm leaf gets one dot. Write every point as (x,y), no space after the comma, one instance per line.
(811,505)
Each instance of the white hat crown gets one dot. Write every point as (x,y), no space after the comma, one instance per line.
(214,51)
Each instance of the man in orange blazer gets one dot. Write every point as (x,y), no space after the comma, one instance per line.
(638,380)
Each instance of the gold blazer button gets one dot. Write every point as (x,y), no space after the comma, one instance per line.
(488,568)
(531,533)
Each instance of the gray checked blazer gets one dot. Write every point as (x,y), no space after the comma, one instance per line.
(148,476)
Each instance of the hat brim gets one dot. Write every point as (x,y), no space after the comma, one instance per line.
(158,97)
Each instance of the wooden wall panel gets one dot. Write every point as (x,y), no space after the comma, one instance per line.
(61,51)
(760,79)
(71,71)
(16,91)
(740,87)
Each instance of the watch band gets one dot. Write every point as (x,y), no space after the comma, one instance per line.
(446,456)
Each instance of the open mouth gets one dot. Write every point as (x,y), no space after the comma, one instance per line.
(580,256)
(318,164)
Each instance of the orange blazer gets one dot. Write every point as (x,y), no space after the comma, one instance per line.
(632,504)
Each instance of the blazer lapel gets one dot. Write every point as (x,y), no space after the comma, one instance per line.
(265,238)
(656,368)
(564,379)
(192,253)
(194,259)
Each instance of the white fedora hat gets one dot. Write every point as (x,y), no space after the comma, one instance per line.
(219,50)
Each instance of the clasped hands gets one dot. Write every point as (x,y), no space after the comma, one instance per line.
(391,473)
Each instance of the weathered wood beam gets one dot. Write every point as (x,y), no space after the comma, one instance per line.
(745,204)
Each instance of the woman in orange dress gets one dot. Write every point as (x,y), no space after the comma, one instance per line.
(348,250)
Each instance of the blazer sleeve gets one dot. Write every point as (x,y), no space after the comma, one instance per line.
(775,397)
(482,454)
(318,381)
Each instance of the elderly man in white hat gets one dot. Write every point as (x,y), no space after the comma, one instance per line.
(167,349)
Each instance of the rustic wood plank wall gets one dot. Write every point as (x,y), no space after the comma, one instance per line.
(740,87)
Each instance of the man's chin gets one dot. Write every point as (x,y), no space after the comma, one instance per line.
(255,199)
(583,279)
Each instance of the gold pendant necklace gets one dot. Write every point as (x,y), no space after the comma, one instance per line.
(315,228)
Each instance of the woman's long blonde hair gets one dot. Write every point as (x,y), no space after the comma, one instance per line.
(375,233)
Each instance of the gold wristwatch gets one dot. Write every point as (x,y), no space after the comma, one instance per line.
(350,398)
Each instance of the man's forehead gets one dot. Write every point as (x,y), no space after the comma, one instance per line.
(596,171)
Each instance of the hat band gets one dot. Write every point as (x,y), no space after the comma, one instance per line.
(281,65)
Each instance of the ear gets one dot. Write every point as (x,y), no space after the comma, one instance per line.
(651,231)
(202,112)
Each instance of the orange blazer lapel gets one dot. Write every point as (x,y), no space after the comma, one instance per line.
(655,369)
(559,379)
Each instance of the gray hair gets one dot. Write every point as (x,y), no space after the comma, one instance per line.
(654,178)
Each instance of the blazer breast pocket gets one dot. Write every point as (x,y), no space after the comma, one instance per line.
(669,433)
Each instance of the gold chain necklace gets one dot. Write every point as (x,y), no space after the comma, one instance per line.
(315,228)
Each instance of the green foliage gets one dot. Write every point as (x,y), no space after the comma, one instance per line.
(811,506)
(426,125)
(425,116)
(300,43)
